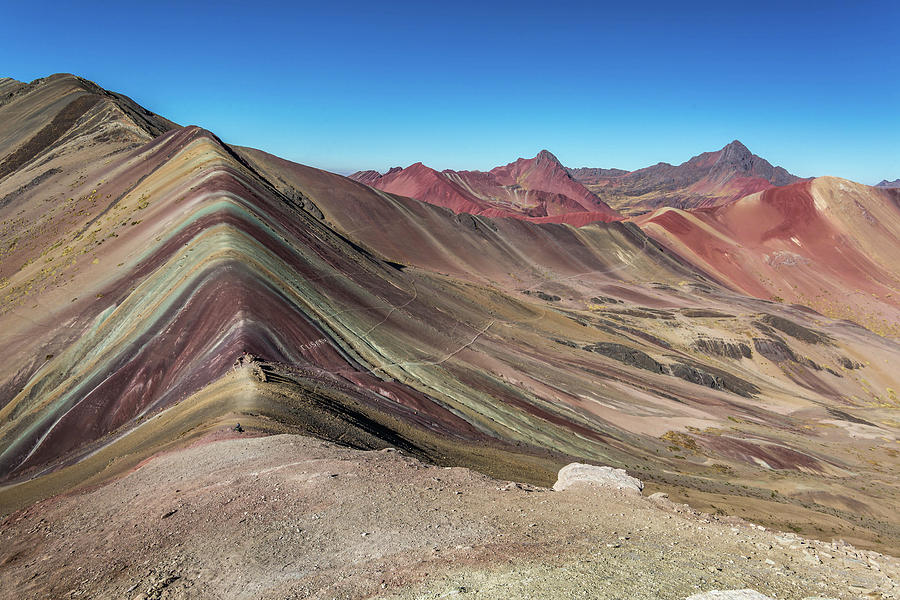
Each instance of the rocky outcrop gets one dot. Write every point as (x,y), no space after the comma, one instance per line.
(720,347)
(723,379)
(704,375)
(595,175)
(698,376)
(774,350)
(705,313)
(848,364)
(628,355)
(808,362)
(543,295)
(804,334)
(302,200)
(576,474)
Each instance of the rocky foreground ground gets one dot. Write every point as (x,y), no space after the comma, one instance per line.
(293,517)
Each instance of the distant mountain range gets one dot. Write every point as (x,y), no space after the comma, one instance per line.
(707,179)
(538,189)
(884,183)
(543,189)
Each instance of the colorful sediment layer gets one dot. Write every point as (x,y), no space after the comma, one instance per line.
(158,285)
(829,244)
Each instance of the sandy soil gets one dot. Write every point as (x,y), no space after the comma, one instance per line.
(293,517)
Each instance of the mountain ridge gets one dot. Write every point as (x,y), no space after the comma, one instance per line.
(160,289)
(707,179)
(538,189)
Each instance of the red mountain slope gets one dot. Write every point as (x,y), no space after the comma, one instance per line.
(827,243)
(538,189)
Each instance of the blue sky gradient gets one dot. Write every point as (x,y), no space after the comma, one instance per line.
(812,86)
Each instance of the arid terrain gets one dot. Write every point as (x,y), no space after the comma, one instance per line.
(733,347)
(292,517)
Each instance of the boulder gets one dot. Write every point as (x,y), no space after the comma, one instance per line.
(608,477)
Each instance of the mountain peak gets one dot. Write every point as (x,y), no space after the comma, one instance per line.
(546,156)
(368,177)
(736,150)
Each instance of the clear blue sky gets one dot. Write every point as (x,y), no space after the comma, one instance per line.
(812,86)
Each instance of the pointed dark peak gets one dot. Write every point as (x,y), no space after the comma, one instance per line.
(545,156)
(736,159)
(736,145)
(736,150)
(888,184)
(737,155)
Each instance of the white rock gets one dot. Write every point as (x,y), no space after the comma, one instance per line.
(581,474)
(730,595)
